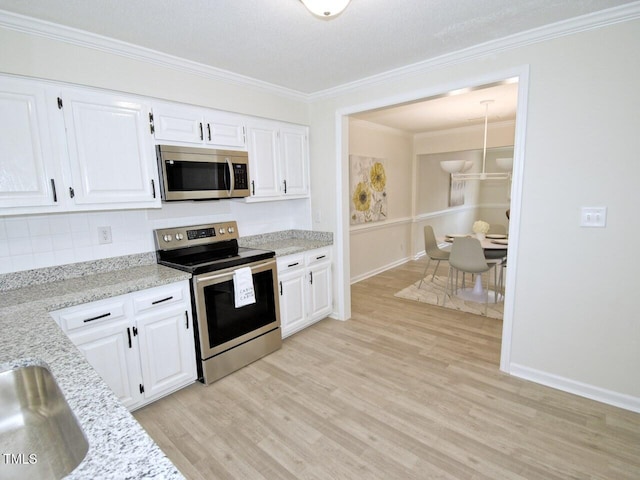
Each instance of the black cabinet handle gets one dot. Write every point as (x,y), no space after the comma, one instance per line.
(285,186)
(209,131)
(163,300)
(135,331)
(253,187)
(292,264)
(153,188)
(72,192)
(311,277)
(280,288)
(96,318)
(186,316)
(201,132)
(53,188)
(129,335)
(320,257)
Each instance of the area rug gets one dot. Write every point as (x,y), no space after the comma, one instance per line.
(432,292)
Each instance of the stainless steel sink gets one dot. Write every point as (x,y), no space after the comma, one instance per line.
(39,436)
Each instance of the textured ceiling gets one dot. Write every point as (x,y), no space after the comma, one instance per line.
(445,112)
(279,42)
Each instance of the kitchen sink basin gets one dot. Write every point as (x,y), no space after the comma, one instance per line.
(40,437)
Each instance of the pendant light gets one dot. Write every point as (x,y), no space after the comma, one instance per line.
(483,175)
(325,8)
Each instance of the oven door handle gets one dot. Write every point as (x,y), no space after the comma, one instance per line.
(232,177)
(220,275)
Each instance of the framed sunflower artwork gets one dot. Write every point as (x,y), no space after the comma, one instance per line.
(368,189)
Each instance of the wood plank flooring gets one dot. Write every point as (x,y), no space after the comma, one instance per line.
(403,390)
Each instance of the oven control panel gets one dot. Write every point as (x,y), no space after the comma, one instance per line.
(180,237)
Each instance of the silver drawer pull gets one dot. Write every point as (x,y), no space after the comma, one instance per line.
(96,318)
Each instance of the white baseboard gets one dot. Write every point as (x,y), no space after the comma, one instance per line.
(609,397)
(378,270)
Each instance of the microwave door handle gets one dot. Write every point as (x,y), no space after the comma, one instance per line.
(232,177)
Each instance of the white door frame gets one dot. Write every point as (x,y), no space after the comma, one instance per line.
(343,271)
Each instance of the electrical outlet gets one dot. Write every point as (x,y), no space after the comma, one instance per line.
(104,235)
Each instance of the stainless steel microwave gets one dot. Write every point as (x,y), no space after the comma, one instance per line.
(188,173)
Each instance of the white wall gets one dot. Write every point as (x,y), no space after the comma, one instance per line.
(574,315)
(378,245)
(35,241)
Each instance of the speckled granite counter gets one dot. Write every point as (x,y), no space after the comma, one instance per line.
(119,447)
(288,242)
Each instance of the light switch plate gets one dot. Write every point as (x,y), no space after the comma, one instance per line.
(593,217)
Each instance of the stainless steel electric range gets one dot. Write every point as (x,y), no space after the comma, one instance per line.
(228,337)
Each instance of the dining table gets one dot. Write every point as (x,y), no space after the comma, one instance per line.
(493,242)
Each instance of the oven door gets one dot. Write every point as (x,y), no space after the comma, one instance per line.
(221,325)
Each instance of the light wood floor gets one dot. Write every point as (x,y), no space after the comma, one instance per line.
(401,391)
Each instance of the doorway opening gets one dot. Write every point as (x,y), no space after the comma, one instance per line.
(404,111)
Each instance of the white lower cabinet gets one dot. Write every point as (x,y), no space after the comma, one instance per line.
(141,344)
(305,289)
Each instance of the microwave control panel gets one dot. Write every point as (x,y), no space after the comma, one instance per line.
(241,176)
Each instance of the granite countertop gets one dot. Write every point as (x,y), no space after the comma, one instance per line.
(118,446)
(288,242)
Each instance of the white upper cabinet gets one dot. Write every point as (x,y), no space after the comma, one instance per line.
(263,161)
(29,176)
(294,155)
(184,124)
(68,149)
(278,160)
(111,151)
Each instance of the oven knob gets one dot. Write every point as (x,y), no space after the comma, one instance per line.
(222,231)
(179,236)
(230,229)
(167,238)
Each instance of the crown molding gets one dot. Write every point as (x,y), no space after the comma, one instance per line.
(572,26)
(53,31)
(82,38)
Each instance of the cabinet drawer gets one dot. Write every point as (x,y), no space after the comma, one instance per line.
(91,315)
(317,256)
(290,262)
(159,297)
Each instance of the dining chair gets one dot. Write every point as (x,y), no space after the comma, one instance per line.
(491,254)
(498,229)
(467,256)
(433,252)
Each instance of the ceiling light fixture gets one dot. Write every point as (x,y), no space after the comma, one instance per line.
(325,8)
(483,175)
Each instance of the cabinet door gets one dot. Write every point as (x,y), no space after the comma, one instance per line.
(167,351)
(111,151)
(224,130)
(320,294)
(263,161)
(176,123)
(292,299)
(294,160)
(28,176)
(112,352)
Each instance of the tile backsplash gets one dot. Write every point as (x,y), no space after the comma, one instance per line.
(38,241)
